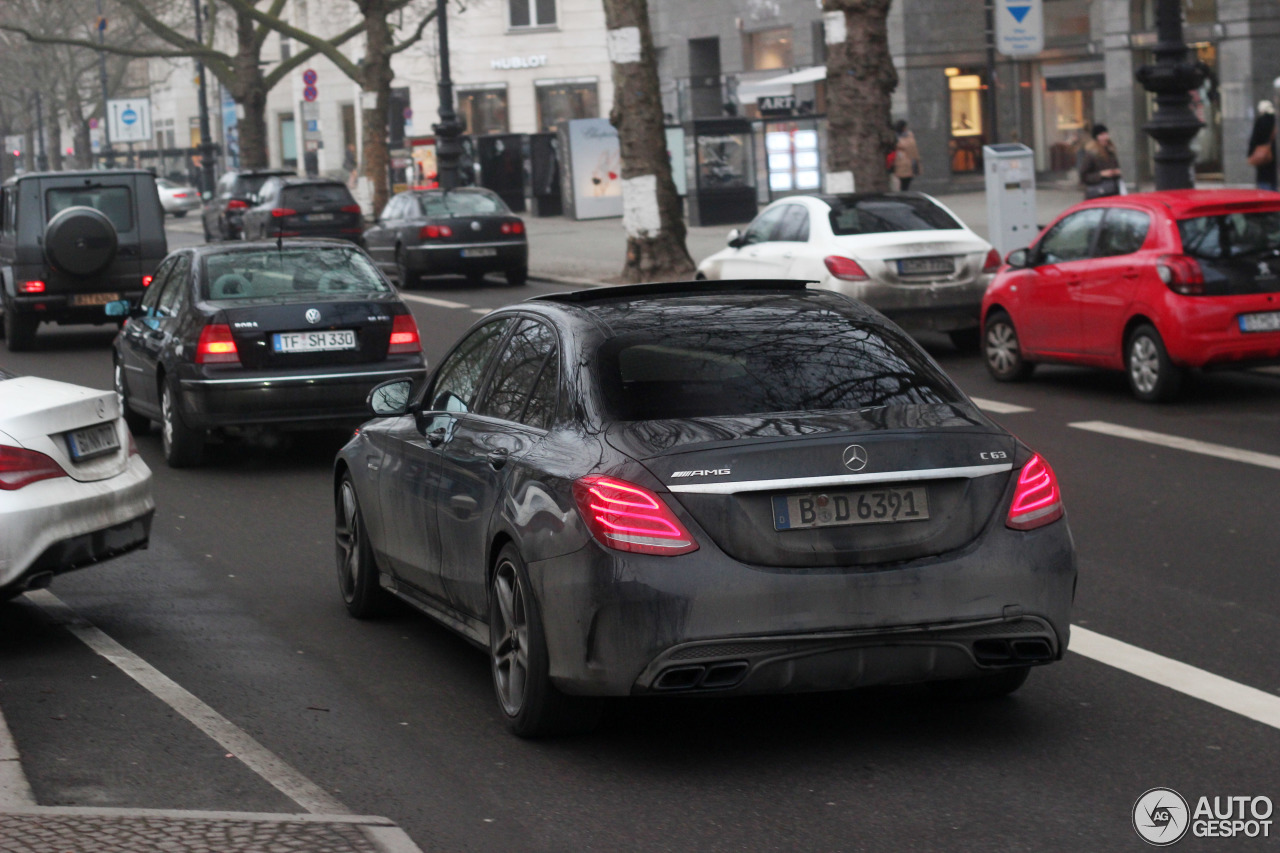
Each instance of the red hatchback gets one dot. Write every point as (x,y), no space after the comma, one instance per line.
(1152,284)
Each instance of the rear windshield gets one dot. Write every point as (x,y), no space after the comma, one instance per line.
(247,185)
(767,361)
(1231,235)
(879,215)
(290,274)
(460,204)
(311,196)
(115,202)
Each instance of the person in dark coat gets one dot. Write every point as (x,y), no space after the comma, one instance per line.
(1264,133)
(1099,166)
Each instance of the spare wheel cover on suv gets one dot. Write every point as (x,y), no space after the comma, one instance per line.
(80,241)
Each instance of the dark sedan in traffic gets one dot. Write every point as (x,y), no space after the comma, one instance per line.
(260,336)
(468,231)
(303,207)
(704,488)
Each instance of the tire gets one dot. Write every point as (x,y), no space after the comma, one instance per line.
(518,277)
(178,214)
(138,424)
(358,583)
(408,278)
(1153,377)
(183,446)
(967,341)
(1002,351)
(80,241)
(529,702)
(19,331)
(986,686)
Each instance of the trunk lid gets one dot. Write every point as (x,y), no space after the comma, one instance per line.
(255,327)
(43,415)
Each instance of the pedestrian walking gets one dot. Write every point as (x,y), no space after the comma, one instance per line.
(1262,146)
(906,159)
(1099,167)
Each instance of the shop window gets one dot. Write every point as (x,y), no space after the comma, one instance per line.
(288,141)
(484,110)
(533,13)
(792,157)
(966,90)
(768,49)
(560,102)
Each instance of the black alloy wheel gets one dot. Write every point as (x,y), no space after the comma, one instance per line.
(358,583)
(183,446)
(1153,377)
(138,424)
(1002,352)
(408,278)
(986,686)
(531,704)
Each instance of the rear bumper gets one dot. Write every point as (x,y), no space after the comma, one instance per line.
(57,307)
(1205,332)
(62,524)
(318,397)
(444,259)
(939,306)
(621,624)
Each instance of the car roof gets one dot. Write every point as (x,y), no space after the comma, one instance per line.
(1181,203)
(98,174)
(207,249)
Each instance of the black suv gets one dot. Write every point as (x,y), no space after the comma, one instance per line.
(304,207)
(234,195)
(70,242)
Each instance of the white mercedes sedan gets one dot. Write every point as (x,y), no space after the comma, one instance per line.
(73,489)
(904,254)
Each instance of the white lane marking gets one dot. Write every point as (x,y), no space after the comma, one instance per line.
(1221,451)
(998,407)
(1230,695)
(231,737)
(483,310)
(431,300)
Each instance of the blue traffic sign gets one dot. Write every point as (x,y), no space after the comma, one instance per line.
(128,116)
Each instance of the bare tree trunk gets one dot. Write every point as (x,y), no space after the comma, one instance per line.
(652,213)
(376,83)
(55,135)
(860,82)
(253,129)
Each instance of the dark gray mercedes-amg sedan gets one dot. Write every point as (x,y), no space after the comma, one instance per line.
(714,487)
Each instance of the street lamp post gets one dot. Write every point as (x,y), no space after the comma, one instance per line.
(1171,78)
(42,159)
(449,130)
(107,153)
(207,149)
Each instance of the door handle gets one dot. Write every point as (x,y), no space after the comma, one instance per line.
(498,458)
(464,503)
(1075,282)
(1132,272)
(436,437)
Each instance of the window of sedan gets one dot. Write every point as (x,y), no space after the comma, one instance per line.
(289,274)
(762,229)
(152,296)
(459,378)
(461,203)
(173,298)
(794,227)
(883,214)
(525,378)
(1071,239)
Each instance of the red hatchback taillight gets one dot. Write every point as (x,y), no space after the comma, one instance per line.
(237,204)
(21,467)
(1181,273)
(434,232)
(1037,501)
(282,212)
(216,345)
(627,517)
(845,269)
(992,263)
(404,335)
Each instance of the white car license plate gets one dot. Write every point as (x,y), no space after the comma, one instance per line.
(314,341)
(93,441)
(94,298)
(924,266)
(319,217)
(837,509)
(479,253)
(1267,321)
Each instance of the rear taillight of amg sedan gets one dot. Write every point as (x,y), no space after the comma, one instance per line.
(627,517)
(1037,500)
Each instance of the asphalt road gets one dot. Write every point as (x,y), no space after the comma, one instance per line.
(236,601)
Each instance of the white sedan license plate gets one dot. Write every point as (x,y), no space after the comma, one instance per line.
(1267,321)
(94,298)
(837,509)
(314,341)
(479,253)
(924,266)
(93,441)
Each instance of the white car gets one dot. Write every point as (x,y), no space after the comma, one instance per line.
(176,199)
(904,254)
(73,489)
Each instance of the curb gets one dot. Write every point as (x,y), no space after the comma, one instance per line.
(15,792)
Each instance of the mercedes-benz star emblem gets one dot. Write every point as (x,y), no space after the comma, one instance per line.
(475,226)
(855,457)
(312,315)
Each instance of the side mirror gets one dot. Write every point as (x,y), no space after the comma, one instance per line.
(391,398)
(1019,259)
(735,238)
(119,308)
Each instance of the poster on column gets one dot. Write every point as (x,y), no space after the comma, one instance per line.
(595,159)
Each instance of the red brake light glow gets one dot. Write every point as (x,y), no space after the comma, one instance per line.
(237,204)
(516,227)
(32,287)
(1037,501)
(845,269)
(21,467)
(434,232)
(281,212)
(992,263)
(404,335)
(147,279)
(351,208)
(627,517)
(1182,274)
(216,345)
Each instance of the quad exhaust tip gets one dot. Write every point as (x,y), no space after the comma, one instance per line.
(716,676)
(1012,652)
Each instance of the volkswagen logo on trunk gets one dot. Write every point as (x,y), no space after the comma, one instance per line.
(855,457)
(312,315)
(475,226)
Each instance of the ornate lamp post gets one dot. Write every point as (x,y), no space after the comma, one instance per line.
(449,130)
(1171,79)
(207,149)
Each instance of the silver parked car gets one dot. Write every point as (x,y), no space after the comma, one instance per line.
(178,200)
(73,489)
